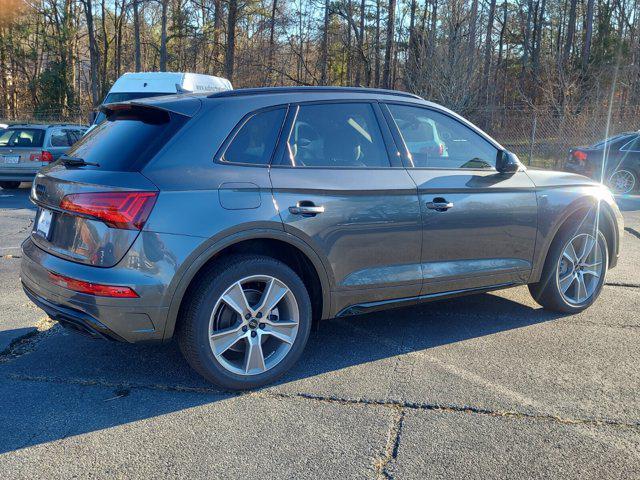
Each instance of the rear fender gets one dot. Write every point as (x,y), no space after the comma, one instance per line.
(209,250)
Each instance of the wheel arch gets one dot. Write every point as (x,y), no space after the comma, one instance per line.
(276,243)
(579,208)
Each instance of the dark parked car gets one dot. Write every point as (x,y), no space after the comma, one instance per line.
(621,155)
(25,148)
(234,220)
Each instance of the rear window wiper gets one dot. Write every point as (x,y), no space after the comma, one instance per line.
(76,161)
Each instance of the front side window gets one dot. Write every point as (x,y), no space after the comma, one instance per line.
(256,139)
(336,135)
(435,140)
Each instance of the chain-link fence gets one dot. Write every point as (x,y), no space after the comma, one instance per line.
(542,138)
(67,115)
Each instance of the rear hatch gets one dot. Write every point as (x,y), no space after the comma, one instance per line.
(93,202)
(21,148)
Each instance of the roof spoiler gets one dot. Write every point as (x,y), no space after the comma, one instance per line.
(182,105)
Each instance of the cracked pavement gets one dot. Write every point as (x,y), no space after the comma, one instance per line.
(486,386)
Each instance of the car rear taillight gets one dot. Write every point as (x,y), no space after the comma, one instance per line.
(580,156)
(126,210)
(90,288)
(43,156)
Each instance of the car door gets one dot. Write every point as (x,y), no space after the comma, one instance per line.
(478,225)
(336,189)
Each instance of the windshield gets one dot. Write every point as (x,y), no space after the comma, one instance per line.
(116,97)
(22,137)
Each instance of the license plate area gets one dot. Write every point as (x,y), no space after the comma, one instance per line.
(11,159)
(43,225)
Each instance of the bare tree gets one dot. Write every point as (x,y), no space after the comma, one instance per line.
(387,80)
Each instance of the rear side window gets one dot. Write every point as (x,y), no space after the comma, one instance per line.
(256,139)
(340,135)
(59,138)
(128,139)
(22,137)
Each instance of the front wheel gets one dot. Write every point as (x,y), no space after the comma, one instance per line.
(574,271)
(246,322)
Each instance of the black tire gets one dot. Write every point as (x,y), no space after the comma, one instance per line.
(193,328)
(547,291)
(9,185)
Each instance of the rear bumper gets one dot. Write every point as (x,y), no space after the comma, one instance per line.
(72,319)
(122,319)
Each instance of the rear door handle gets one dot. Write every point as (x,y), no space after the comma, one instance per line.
(306,209)
(439,204)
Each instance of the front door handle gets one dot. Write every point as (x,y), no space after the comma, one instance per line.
(439,205)
(304,208)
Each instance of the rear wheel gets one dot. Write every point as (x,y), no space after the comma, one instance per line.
(623,181)
(574,270)
(9,185)
(246,322)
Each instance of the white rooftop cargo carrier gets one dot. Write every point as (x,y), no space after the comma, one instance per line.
(132,86)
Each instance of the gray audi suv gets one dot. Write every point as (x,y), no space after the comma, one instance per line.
(234,220)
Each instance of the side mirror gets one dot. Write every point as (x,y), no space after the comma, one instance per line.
(507,162)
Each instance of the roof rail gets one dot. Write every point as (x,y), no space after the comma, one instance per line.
(309,89)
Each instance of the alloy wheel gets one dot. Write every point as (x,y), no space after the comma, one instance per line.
(622,181)
(254,325)
(580,268)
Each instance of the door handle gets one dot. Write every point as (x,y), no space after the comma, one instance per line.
(304,208)
(439,205)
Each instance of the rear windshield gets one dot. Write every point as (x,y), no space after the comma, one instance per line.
(22,137)
(127,139)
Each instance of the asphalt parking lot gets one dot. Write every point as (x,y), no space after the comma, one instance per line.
(487,386)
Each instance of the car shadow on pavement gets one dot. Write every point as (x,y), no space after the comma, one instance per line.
(16,198)
(47,392)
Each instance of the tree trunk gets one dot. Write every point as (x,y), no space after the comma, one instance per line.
(362,62)
(94,54)
(163,36)
(136,35)
(571,30)
(324,53)
(488,50)
(377,44)
(472,38)
(349,55)
(272,36)
(217,26)
(229,58)
(105,50)
(588,32)
(387,80)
